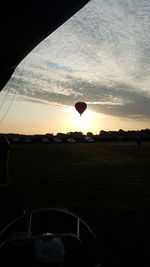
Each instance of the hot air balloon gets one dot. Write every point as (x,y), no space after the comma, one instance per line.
(80,107)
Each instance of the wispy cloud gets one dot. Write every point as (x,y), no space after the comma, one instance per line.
(101,56)
(59,67)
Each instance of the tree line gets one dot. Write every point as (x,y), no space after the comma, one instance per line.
(120,135)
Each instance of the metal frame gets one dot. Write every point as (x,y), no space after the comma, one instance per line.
(60,210)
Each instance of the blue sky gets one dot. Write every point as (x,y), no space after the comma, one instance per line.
(100,56)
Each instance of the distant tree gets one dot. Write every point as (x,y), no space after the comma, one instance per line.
(90,134)
(103,133)
(121,132)
(75,134)
(49,135)
(61,136)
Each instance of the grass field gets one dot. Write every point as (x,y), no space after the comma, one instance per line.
(106,184)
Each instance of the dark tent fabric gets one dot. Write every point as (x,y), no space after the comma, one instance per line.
(24,24)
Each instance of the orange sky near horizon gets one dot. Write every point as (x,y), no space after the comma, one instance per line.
(34,118)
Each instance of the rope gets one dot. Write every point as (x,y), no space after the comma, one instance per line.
(12,100)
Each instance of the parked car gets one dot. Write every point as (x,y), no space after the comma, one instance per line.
(15,140)
(57,140)
(27,140)
(89,139)
(71,140)
(45,140)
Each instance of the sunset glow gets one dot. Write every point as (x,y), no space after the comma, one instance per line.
(83,123)
(99,56)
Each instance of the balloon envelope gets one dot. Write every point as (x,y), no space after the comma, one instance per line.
(80,107)
(27,23)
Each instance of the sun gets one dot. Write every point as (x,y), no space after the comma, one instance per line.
(81,123)
(89,121)
(83,120)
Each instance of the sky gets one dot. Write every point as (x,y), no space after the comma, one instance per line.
(100,56)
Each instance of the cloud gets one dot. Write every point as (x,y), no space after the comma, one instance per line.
(59,67)
(117,100)
(101,56)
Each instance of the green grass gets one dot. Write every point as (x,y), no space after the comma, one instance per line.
(106,184)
